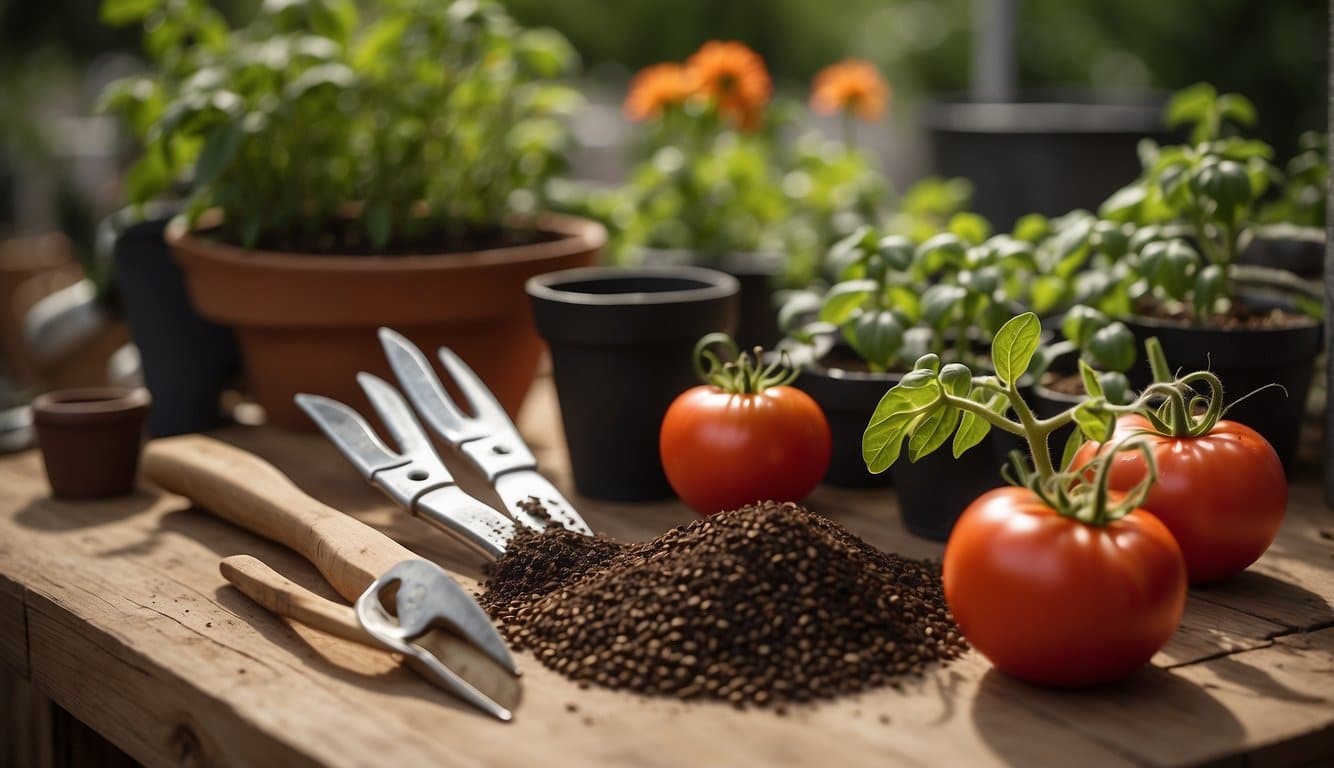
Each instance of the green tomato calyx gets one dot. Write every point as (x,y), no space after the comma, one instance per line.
(741,373)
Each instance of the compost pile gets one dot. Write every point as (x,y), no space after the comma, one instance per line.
(765,605)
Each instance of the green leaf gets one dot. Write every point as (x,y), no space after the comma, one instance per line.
(897,252)
(1072,445)
(1092,387)
(1095,426)
(1208,289)
(545,52)
(1236,108)
(969,227)
(798,306)
(932,432)
(956,379)
(218,150)
(1189,105)
(844,299)
(877,337)
(1175,269)
(1032,228)
(973,429)
(1014,345)
(118,13)
(1125,203)
(943,250)
(940,302)
(1112,348)
(910,400)
(1115,387)
(1047,293)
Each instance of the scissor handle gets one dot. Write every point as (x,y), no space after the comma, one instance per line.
(250,492)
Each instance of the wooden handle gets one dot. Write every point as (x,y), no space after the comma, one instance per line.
(250,492)
(285,597)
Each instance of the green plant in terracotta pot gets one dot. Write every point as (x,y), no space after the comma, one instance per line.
(1194,208)
(348,174)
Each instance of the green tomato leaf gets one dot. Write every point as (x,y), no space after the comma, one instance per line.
(1032,228)
(944,250)
(1175,270)
(1047,293)
(1092,386)
(1208,289)
(844,299)
(1125,203)
(877,337)
(1115,387)
(969,227)
(904,301)
(973,429)
(956,379)
(940,303)
(1236,108)
(798,307)
(1112,348)
(1081,322)
(1014,345)
(545,52)
(1072,445)
(912,399)
(1095,426)
(932,432)
(897,252)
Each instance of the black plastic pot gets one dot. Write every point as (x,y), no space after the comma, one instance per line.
(935,490)
(756,272)
(621,349)
(1300,250)
(187,360)
(1245,360)
(1048,153)
(848,399)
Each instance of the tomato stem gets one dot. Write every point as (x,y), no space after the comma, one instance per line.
(744,373)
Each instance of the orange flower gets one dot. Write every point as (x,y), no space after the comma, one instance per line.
(853,86)
(656,88)
(733,77)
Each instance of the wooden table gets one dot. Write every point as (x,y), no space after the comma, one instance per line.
(117,612)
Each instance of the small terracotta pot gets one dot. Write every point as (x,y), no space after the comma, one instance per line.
(90,440)
(306,323)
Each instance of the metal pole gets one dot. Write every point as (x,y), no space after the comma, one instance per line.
(994,67)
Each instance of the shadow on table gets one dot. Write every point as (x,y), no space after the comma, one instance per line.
(398,681)
(51,514)
(1165,712)
(1258,593)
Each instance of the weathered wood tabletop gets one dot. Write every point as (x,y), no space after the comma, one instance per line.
(117,611)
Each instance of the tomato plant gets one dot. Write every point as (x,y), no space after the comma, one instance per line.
(744,435)
(1221,489)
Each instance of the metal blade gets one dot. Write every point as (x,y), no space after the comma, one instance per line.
(423,388)
(481,399)
(353,436)
(518,489)
(457,513)
(395,414)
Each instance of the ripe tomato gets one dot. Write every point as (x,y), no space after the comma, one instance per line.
(1053,600)
(722,451)
(1222,495)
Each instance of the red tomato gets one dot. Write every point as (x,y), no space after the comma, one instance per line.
(722,451)
(1222,495)
(1052,600)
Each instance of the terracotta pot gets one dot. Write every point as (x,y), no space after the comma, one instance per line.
(306,323)
(90,440)
(30,268)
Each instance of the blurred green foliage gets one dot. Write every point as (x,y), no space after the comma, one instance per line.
(1275,50)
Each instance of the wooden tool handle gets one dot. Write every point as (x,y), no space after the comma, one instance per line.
(285,597)
(250,492)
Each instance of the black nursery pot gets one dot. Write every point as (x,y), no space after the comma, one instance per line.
(187,360)
(1245,360)
(757,274)
(1300,250)
(621,350)
(848,399)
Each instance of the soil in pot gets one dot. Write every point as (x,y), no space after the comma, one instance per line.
(90,440)
(622,342)
(307,322)
(187,360)
(1248,350)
